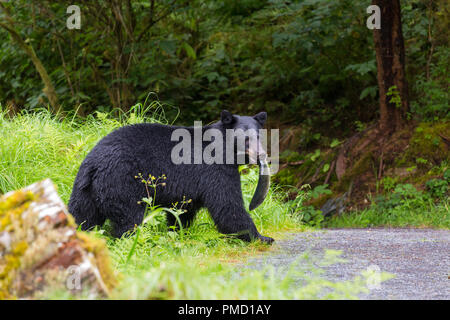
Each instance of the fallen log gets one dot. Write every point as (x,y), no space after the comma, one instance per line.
(41,249)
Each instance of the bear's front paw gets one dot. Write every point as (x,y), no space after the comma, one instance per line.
(267,240)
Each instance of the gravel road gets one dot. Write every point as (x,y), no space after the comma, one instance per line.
(419,258)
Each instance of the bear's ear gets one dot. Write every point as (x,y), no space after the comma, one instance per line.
(227,117)
(261,118)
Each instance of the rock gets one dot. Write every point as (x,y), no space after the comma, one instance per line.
(334,206)
(41,249)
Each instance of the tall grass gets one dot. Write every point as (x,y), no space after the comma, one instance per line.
(39,145)
(153,261)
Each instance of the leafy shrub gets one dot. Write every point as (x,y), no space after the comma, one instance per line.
(438,188)
(309,214)
(389,183)
(433,98)
(447,175)
(405,195)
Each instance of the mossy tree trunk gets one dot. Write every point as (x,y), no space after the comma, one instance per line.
(390,56)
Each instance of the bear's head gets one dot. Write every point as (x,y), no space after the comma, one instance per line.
(247,143)
(246,136)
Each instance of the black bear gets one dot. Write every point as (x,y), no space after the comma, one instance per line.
(106,186)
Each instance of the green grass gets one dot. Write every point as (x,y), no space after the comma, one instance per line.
(432,215)
(154,262)
(37,145)
(403,206)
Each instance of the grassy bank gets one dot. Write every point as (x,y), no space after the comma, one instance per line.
(425,215)
(404,205)
(154,262)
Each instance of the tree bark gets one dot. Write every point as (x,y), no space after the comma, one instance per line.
(390,56)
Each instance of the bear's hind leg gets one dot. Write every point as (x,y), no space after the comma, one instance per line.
(120,228)
(125,218)
(123,211)
(84,210)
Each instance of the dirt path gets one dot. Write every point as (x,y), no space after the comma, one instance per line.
(419,258)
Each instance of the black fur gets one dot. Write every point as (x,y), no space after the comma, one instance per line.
(106,187)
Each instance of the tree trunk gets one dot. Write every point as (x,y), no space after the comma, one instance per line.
(390,55)
(49,89)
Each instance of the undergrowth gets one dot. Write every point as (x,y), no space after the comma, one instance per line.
(403,206)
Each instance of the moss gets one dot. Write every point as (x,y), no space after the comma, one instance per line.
(11,263)
(27,246)
(102,260)
(13,259)
(12,207)
(363,165)
(320,201)
(71,221)
(427,144)
(291,175)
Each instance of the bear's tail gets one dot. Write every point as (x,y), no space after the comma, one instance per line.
(82,204)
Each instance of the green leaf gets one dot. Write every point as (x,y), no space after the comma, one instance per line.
(315,155)
(335,143)
(189,51)
(369,91)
